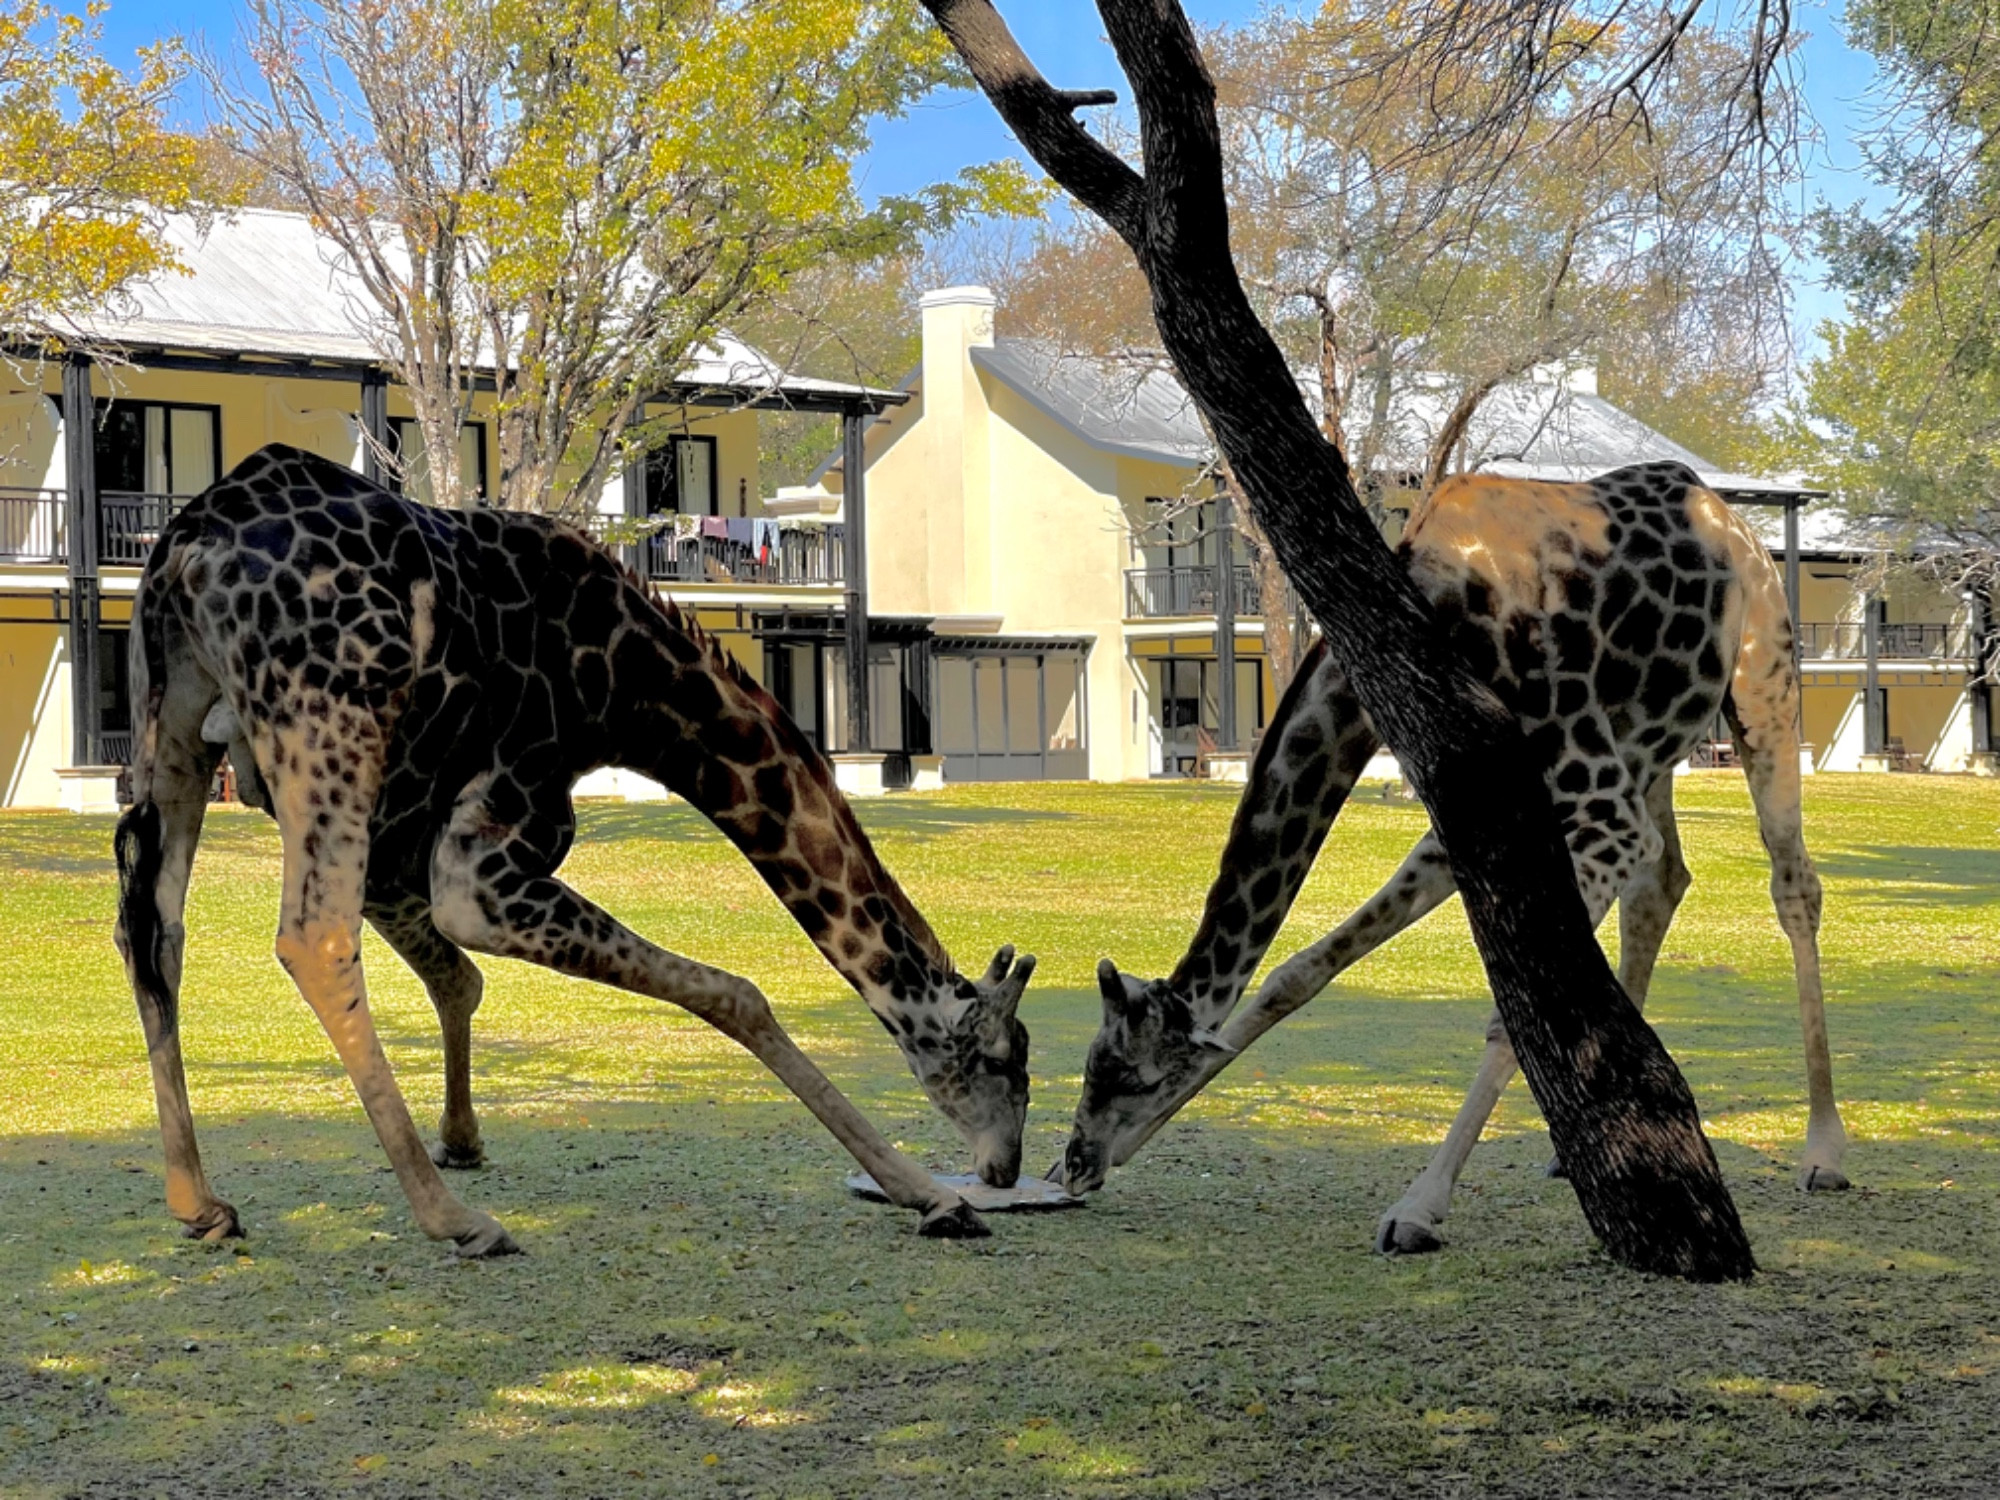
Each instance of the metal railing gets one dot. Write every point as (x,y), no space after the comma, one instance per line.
(129,522)
(33,527)
(798,557)
(1164,593)
(115,747)
(1827,640)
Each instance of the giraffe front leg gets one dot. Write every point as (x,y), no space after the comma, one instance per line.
(455,986)
(1411,1226)
(544,921)
(324,826)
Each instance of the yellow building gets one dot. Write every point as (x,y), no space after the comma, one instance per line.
(1038,511)
(257,344)
(1039,581)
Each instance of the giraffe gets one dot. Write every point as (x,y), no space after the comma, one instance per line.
(1616,618)
(411,693)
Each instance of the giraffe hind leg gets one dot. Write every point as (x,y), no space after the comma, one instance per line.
(1763,714)
(455,986)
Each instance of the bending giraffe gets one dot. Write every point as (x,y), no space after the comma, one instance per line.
(411,693)
(1616,618)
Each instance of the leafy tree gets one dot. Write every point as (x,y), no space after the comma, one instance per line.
(88,170)
(576,194)
(1901,413)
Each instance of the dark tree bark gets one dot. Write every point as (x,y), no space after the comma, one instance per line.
(1619,1112)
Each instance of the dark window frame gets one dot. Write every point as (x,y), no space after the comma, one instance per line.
(104,405)
(663,471)
(394,481)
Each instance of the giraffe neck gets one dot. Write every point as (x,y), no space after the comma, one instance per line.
(714,736)
(1312,752)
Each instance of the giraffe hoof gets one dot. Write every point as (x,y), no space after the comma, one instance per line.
(486,1238)
(219,1223)
(1822,1180)
(1400,1236)
(1556,1169)
(458,1158)
(953,1221)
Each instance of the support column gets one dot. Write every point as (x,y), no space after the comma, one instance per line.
(374,425)
(1874,700)
(80,515)
(854,488)
(1226,732)
(1792,568)
(1979,688)
(634,487)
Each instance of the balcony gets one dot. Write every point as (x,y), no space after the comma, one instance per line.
(1173,593)
(802,557)
(32,526)
(1826,640)
(129,522)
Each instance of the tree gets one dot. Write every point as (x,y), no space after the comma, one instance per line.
(1900,415)
(88,171)
(1617,1108)
(571,196)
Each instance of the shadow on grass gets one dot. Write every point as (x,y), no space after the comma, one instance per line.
(676,822)
(1917,876)
(702,1310)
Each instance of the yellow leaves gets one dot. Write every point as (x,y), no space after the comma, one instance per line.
(86,165)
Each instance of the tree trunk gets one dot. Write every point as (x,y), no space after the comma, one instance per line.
(1620,1114)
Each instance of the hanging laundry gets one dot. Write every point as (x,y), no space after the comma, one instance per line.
(741,531)
(766,540)
(715,528)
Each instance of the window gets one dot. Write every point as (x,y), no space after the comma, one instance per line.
(406,446)
(681,478)
(157,447)
(1010,715)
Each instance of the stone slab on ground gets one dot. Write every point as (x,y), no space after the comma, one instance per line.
(1026,1196)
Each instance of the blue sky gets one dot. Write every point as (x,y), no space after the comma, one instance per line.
(1065,39)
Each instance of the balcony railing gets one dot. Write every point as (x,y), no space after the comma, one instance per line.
(32,526)
(798,557)
(1826,640)
(1169,593)
(129,522)
(1165,593)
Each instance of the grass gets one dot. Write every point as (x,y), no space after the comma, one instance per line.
(702,1310)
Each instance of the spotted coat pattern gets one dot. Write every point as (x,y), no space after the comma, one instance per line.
(1617,619)
(411,693)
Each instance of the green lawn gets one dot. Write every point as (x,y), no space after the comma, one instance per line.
(702,1310)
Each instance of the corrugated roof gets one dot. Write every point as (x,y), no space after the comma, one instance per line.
(262,282)
(1141,412)
(1533,428)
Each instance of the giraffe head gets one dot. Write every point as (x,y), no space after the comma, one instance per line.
(974,1063)
(1147,1059)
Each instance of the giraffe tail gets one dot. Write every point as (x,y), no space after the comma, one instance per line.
(141,933)
(139,840)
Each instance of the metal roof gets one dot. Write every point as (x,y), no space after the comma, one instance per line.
(262,282)
(1542,426)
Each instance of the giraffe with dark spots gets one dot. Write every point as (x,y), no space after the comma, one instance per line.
(411,693)
(1614,670)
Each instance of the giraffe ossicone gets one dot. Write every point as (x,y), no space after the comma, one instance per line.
(411,693)
(1616,618)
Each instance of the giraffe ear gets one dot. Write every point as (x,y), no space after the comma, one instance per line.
(1119,1001)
